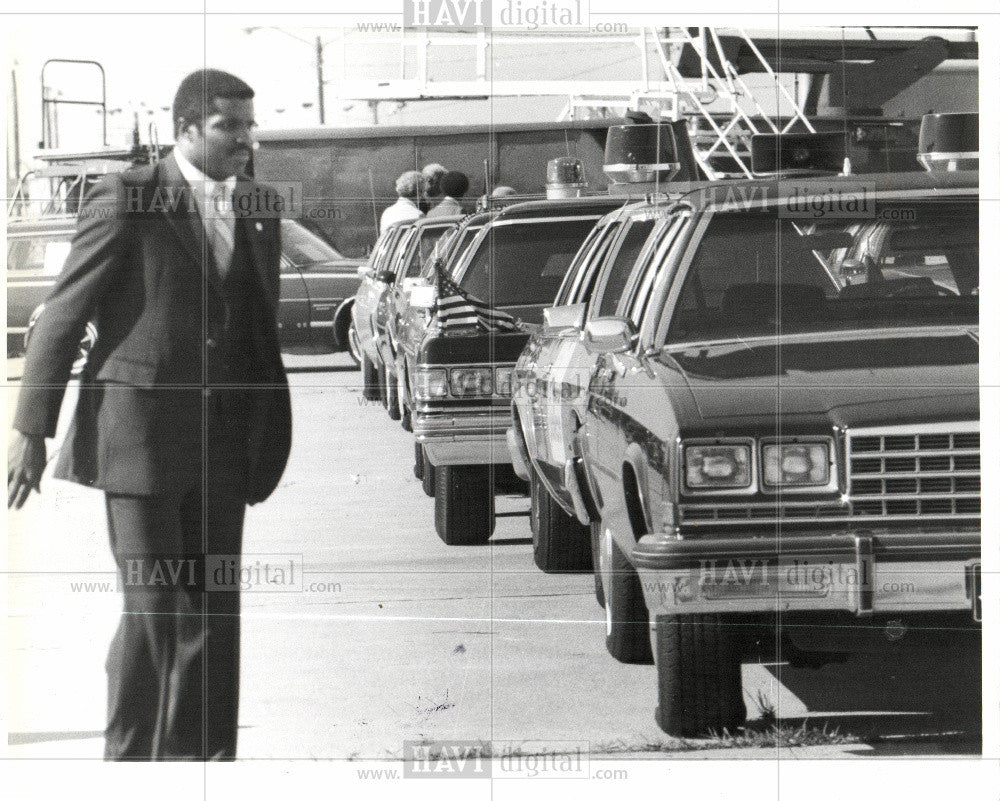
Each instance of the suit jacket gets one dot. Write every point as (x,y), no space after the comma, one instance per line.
(140,268)
(448,207)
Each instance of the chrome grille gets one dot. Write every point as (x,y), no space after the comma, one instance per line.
(914,474)
(906,473)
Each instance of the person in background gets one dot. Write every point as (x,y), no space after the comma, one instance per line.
(410,187)
(498,193)
(432,174)
(454,185)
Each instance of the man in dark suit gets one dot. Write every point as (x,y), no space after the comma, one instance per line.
(183,416)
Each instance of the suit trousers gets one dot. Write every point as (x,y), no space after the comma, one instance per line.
(173,665)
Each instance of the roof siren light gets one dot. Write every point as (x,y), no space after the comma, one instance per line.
(803,154)
(564,178)
(949,142)
(641,152)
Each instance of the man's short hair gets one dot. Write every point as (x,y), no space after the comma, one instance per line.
(454,184)
(504,191)
(197,93)
(411,184)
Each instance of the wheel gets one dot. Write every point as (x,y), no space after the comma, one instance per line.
(86,345)
(380,368)
(418,460)
(625,614)
(561,543)
(698,676)
(428,477)
(369,375)
(391,395)
(404,414)
(595,555)
(463,504)
(353,343)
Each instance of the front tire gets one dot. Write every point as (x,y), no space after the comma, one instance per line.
(428,477)
(595,550)
(391,395)
(625,613)
(561,544)
(463,504)
(418,460)
(380,368)
(369,376)
(698,675)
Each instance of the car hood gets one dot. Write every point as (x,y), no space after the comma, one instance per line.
(850,378)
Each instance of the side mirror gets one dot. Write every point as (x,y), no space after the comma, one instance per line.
(609,335)
(423,296)
(565,316)
(385,276)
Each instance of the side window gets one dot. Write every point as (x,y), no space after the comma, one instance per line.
(597,263)
(620,269)
(577,267)
(583,280)
(402,248)
(636,305)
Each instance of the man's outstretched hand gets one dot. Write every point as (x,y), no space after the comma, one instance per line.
(25,465)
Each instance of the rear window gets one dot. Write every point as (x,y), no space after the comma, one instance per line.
(524,263)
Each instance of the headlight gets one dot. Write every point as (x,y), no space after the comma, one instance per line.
(796,464)
(717,466)
(470,382)
(430,384)
(503,380)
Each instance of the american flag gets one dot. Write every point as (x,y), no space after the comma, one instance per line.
(455,309)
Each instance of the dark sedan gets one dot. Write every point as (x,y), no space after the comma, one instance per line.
(318,284)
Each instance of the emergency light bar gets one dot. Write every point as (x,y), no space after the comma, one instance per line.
(641,152)
(797,154)
(949,142)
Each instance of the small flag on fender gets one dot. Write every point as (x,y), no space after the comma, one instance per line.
(455,309)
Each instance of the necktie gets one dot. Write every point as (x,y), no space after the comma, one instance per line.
(221,228)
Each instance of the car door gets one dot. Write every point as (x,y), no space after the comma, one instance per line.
(625,392)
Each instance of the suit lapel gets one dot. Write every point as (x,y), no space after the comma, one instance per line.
(256,230)
(180,209)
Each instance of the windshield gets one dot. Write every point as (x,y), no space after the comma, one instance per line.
(524,263)
(303,247)
(756,274)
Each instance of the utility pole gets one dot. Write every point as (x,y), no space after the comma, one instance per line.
(16,131)
(319,80)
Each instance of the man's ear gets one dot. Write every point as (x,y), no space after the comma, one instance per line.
(183,127)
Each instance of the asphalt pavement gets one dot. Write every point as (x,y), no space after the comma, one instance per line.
(390,636)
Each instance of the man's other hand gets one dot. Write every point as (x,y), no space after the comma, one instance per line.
(25,465)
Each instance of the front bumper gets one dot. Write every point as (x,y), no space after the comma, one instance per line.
(466,437)
(861,572)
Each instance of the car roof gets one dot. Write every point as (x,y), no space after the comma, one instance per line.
(582,206)
(451,219)
(744,194)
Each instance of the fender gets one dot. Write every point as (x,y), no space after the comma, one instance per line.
(636,461)
(342,320)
